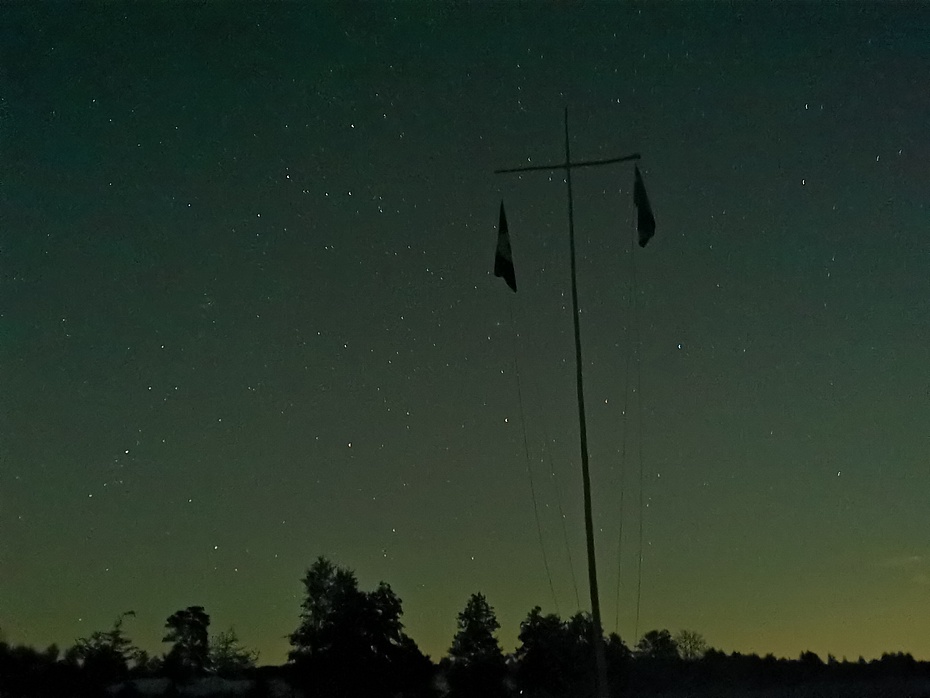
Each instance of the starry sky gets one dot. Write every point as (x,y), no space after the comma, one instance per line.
(248,316)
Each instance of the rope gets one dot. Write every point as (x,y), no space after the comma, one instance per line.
(624,435)
(639,410)
(562,518)
(558,494)
(529,470)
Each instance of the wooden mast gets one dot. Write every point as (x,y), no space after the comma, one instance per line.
(568,165)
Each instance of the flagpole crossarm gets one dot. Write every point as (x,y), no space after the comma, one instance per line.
(572,165)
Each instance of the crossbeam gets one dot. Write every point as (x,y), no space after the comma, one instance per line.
(571,165)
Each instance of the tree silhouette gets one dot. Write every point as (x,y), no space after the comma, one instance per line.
(228,657)
(190,653)
(691,644)
(350,642)
(476,662)
(28,673)
(475,640)
(657,645)
(812,659)
(104,656)
(556,658)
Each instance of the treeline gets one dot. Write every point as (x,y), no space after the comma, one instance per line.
(108,658)
(351,643)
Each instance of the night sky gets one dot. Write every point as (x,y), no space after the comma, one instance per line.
(248,316)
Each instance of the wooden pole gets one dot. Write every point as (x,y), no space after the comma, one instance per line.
(599,655)
(599,658)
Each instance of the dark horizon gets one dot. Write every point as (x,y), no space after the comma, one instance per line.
(349,642)
(132,630)
(248,315)
(642,645)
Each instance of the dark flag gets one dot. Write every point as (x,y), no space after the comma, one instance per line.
(646,222)
(503,258)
